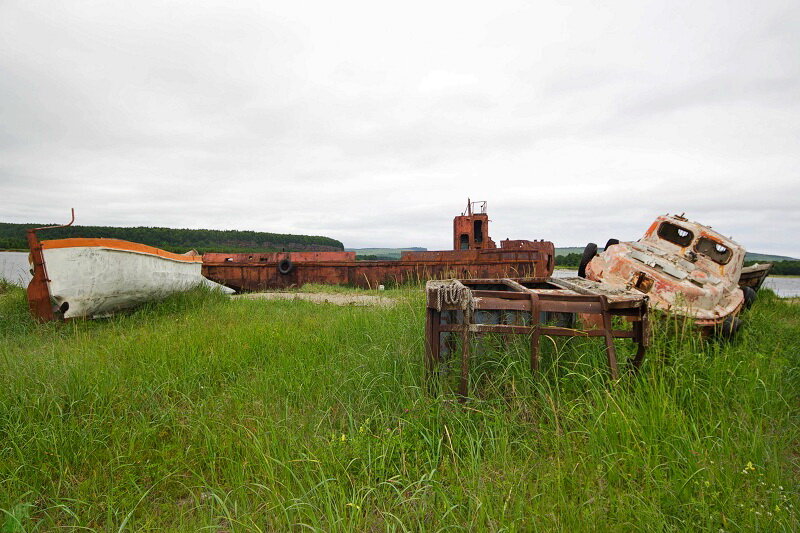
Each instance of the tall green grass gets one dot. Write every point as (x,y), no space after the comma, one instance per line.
(206,413)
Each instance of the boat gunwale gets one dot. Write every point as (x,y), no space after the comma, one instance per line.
(120,246)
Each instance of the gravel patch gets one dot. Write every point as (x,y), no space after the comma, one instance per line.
(322,298)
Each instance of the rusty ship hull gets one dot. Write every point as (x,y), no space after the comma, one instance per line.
(257,272)
(474,255)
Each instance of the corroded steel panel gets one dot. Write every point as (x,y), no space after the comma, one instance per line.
(471,229)
(38,292)
(261,275)
(39,300)
(275,257)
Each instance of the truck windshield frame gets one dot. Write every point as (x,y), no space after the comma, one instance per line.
(675,234)
(714,250)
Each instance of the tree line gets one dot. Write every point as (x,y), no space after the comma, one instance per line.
(569,260)
(12,236)
(781,268)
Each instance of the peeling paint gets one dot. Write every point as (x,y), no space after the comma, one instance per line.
(684,267)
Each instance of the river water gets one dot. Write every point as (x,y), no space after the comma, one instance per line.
(14,268)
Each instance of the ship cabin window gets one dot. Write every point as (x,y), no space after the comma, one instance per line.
(464,242)
(718,252)
(478,230)
(675,234)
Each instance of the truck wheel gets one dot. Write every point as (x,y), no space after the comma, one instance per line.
(729,327)
(588,254)
(749,297)
(285,266)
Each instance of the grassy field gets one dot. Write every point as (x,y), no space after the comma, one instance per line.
(205,413)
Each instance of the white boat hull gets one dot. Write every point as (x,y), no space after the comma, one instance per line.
(92,277)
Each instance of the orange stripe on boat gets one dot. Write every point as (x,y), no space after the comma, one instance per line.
(117,244)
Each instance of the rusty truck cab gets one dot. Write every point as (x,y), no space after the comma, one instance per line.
(698,244)
(684,267)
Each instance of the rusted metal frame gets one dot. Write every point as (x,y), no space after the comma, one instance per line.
(465,341)
(38,291)
(515,285)
(554,305)
(520,298)
(511,282)
(536,331)
(506,282)
(432,344)
(39,302)
(501,295)
(611,351)
(584,304)
(632,309)
(564,284)
(432,338)
(640,329)
(558,303)
(545,330)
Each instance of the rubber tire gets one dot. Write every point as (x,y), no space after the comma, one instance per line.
(611,242)
(729,327)
(749,297)
(285,266)
(588,254)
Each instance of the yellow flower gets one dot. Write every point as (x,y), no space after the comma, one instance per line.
(343,438)
(350,504)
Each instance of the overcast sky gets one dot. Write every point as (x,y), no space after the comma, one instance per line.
(373,122)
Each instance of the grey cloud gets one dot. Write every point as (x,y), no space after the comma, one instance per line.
(575,123)
(719,90)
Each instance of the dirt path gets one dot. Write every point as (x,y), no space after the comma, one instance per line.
(322,298)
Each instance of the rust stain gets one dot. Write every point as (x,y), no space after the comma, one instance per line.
(38,290)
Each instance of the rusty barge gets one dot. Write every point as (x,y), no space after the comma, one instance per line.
(474,255)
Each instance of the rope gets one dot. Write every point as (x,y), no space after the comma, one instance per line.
(450,293)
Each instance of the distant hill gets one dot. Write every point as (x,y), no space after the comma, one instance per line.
(570,250)
(383,253)
(12,236)
(750,256)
